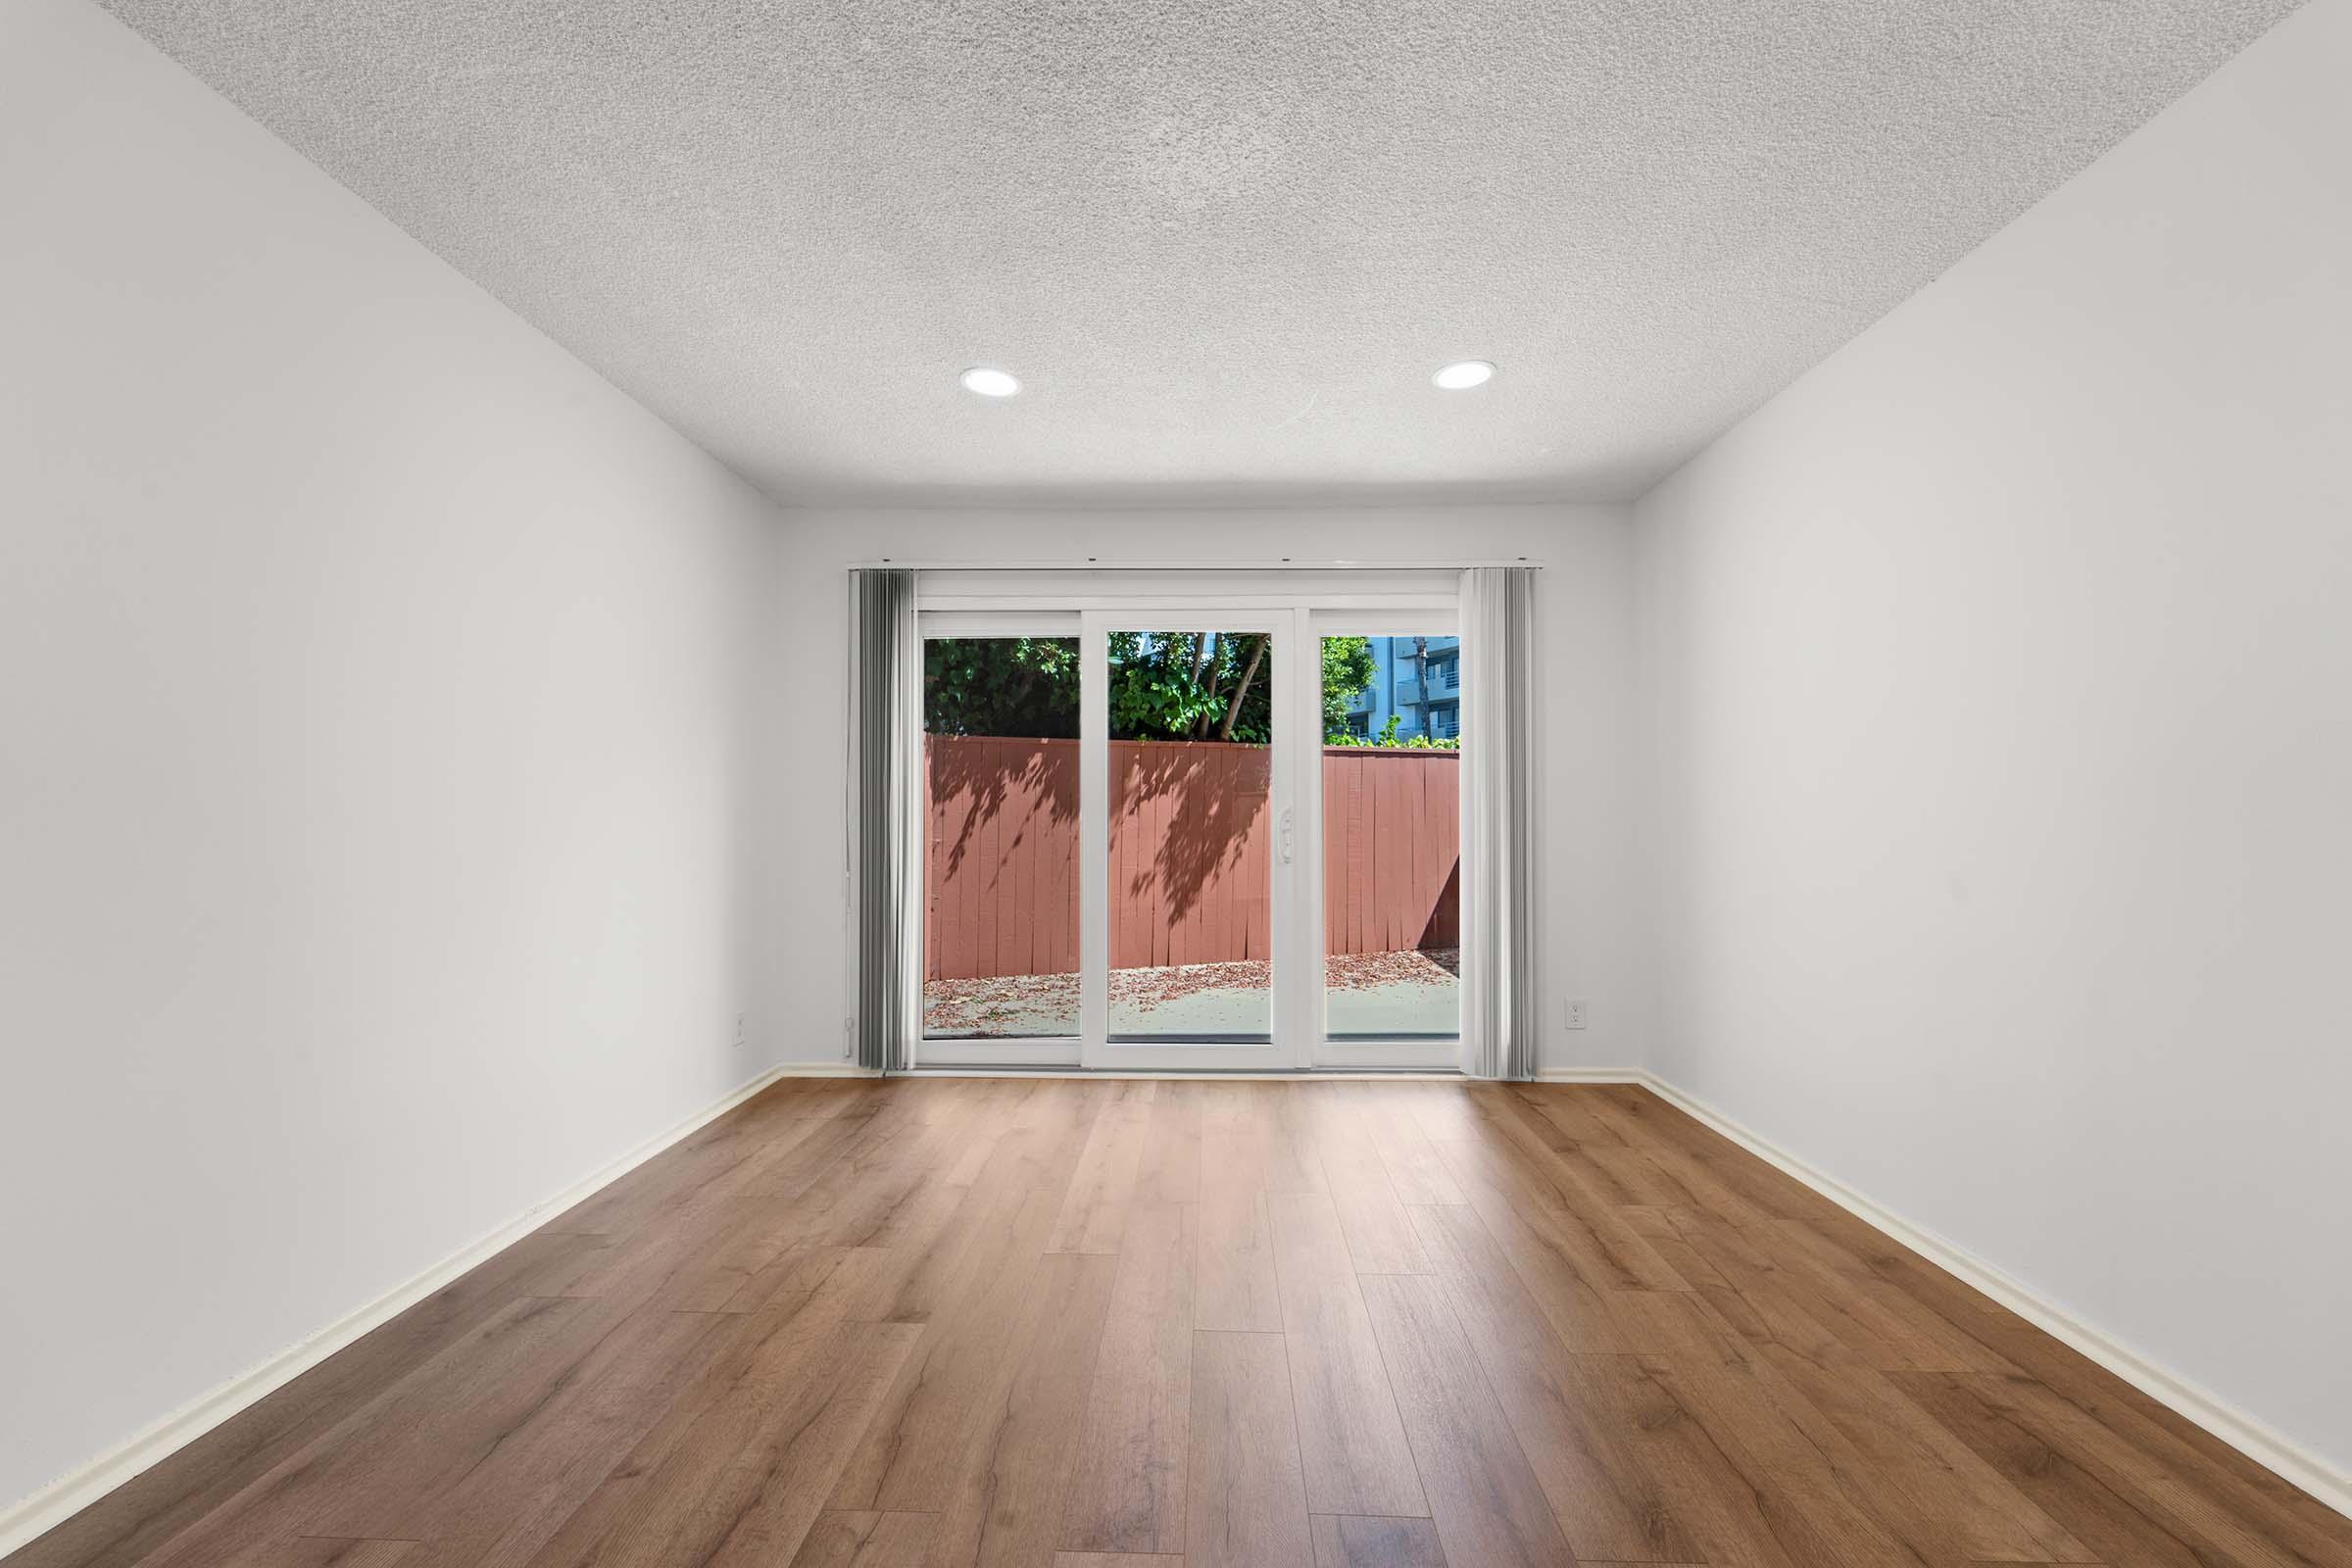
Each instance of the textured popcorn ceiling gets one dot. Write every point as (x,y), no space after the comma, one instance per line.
(1224,242)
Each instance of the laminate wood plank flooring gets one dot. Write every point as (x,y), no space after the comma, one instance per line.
(934,1322)
(1246,1499)
(841,1539)
(1126,1490)
(1350,1436)
(1353,1541)
(1482,1494)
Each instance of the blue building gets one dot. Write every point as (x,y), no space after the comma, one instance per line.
(1418,680)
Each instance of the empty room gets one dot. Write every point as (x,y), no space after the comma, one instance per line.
(932,783)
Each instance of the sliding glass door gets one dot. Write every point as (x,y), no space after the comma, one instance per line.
(1212,834)
(1189,838)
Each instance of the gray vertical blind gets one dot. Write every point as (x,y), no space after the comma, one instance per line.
(1499,1017)
(886,900)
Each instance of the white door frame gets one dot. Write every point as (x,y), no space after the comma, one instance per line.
(1287,1049)
(1297,622)
(1032,1050)
(1359,1053)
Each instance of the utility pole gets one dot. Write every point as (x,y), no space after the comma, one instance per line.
(1421,680)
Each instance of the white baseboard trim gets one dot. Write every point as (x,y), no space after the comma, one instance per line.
(2257,1441)
(30,1517)
(822,1069)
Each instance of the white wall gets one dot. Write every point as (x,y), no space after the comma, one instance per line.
(1999,679)
(1586,652)
(380,764)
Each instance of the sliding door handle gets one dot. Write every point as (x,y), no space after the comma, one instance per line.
(1286,836)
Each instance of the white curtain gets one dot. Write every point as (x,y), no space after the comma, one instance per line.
(1499,1021)
(886,686)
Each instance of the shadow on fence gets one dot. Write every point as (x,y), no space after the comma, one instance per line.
(1191,853)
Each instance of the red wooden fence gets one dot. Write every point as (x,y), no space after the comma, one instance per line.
(1191,851)
(1191,848)
(1394,819)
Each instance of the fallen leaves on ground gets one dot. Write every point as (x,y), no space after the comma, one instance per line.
(990,1004)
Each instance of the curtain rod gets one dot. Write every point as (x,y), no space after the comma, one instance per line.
(1093,563)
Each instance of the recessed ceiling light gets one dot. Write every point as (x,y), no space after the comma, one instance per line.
(1464,373)
(989,383)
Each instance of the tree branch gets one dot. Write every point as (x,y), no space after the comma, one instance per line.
(1258,652)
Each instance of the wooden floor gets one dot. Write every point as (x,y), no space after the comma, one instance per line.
(1080,1324)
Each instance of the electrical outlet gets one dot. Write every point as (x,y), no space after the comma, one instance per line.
(739,1031)
(1575,1012)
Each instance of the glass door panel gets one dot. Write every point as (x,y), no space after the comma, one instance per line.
(1000,840)
(1191,836)
(1195,840)
(1389,797)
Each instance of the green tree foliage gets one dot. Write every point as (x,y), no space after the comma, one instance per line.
(1388,737)
(1179,686)
(1348,672)
(1024,686)
(1164,686)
